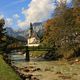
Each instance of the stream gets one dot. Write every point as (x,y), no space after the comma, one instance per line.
(45,70)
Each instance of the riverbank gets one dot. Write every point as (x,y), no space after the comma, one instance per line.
(49,70)
(6,72)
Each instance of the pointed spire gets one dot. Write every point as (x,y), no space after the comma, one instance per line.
(31,26)
(31,30)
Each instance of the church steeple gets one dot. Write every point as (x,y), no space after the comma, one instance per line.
(33,39)
(31,30)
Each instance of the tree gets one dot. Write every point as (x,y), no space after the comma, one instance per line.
(2,34)
(2,22)
(2,30)
(64,30)
(60,7)
(76,3)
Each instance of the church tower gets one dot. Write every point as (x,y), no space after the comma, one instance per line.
(33,39)
(31,30)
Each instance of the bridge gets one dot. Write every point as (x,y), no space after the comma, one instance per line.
(20,45)
(27,49)
(30,48)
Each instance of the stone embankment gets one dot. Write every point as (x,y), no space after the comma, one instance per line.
(26,73)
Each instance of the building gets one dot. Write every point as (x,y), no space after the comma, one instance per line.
(33,39)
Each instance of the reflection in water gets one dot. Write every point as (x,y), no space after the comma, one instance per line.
(21,58)
(18,58)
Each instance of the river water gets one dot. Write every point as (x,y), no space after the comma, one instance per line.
(46,70)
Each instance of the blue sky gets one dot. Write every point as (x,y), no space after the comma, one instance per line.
(9,8)
(19,13)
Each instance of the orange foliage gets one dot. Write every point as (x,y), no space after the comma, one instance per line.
(76,13)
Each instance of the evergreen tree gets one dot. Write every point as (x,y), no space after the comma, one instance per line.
(2,34)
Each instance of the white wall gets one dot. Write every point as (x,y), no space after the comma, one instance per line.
(33,42)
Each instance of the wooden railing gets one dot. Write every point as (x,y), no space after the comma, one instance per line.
(33,48)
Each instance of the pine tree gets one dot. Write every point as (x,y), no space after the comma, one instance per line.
(2,33)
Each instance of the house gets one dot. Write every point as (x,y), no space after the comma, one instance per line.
(33,39)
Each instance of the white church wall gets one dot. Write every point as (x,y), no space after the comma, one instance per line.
(33,42)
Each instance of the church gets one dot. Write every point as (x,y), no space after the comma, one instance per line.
(33,39)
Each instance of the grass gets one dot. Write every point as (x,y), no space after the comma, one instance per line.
(37,53)
(6,72)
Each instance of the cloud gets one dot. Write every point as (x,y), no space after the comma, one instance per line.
(22,23)
(68,1)
(1,16)
(16,16)
(38,10)
(8,22)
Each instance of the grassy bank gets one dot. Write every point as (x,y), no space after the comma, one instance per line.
(6,73)
(37,53)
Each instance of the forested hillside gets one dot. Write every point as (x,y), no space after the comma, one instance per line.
(62,32)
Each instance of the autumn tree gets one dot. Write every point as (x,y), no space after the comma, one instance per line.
(76,3)
(63,30)
(61,6)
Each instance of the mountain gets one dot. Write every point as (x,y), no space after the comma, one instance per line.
(37,26)
(14,34)
(39,29)
(23,34)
